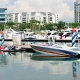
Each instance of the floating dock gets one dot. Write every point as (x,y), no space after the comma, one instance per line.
(28,47)
(41,40)
(22,48)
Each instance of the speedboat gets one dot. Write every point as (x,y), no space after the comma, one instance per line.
(56,50)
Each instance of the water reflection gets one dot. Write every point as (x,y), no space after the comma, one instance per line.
(32,66)
(59,66)
(74,68)
(55,65)
(3,59)
(48,57)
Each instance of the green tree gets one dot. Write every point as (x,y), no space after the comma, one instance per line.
(74,25)
(10,24)
(1,27)
(49,26)
(34,24)
(60,25)
(22,26)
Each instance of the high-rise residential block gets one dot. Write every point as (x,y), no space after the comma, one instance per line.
(3,15)
(25,17)
(77,11)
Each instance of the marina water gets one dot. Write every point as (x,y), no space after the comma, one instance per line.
(25,66)
(20,66)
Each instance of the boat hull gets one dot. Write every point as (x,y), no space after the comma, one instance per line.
(53,51)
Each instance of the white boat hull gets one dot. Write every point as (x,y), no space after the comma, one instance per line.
(56,51)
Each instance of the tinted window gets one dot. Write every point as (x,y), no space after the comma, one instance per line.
(78,30)
(2,19)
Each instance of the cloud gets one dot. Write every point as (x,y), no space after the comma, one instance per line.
(20,6)
(64,9)
(3,3)
(64,12)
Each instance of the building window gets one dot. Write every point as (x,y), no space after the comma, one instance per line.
(50,18)
(44,18)
(32,18)
(2,19)
(2,11)
(23,18)
(2,15)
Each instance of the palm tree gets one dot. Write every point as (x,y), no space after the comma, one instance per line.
(1,27)
(60,25)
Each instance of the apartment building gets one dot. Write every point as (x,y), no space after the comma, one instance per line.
(14,17)
(10,17)
(3,15)
(77,11)
(17,17)
(27,16)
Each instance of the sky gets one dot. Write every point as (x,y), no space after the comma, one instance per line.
(63,8)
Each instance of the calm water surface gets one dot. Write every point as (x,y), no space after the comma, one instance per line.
(32,66)
(25,66)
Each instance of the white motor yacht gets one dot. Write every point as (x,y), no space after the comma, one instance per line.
(8,33)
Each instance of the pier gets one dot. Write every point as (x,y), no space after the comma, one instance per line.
(27,48)
(41,40)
